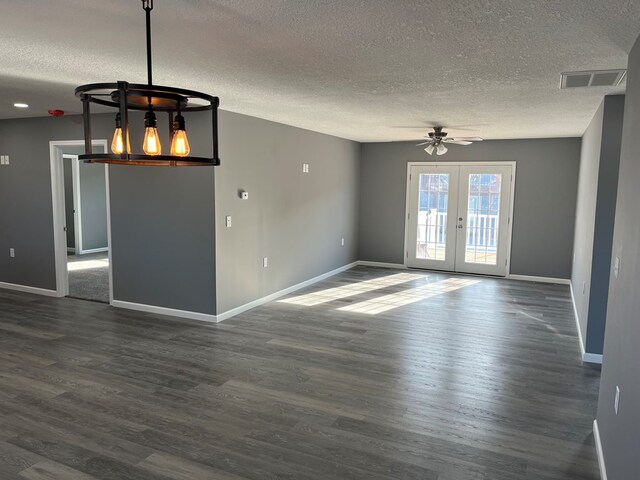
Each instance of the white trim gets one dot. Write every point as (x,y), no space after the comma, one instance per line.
(77,202)
(27,289)
(109,244)
(95,250)
(529,278)
(577,317)
(366,263)
(586,357)
(57,199)
(59,235)
(512,203)
(75,187)
(229,313)
(260,301)
(172,312)
(592,358)
(601,464)
(512,199)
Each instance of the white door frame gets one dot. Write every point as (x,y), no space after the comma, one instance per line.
(77,217)
(57,197)
(512,164)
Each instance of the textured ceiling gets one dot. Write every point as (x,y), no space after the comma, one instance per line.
(358,69)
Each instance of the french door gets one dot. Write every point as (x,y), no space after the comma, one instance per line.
(458,217)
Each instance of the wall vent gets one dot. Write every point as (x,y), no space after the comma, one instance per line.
(596,78)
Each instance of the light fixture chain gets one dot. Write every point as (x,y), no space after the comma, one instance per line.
(147,5)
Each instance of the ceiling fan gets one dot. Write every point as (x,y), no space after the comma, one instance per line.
(438,141)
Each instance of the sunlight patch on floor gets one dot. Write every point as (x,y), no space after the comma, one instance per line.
(87,264)
(331,294)
(406,297)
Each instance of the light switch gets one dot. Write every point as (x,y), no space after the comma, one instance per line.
(265,262)
(342,242)
(616,267)
(12,253)
(227,221)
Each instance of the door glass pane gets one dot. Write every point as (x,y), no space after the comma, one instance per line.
(432,216)
(483,214)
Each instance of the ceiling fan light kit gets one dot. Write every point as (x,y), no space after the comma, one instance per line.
(152,99)
(437,141)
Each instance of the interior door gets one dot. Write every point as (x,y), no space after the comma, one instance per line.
(483,219)
(432,214)
(458,217)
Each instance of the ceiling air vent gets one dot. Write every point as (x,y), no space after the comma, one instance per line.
(597,78)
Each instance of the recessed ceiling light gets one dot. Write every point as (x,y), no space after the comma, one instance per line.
(21,105)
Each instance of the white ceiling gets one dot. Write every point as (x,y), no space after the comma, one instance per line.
(358,69)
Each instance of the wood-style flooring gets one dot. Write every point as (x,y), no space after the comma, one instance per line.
(372,374)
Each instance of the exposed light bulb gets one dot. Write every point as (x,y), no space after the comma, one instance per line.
(117,143)
(429,149)
(441,150)
(180,142)
(151,144)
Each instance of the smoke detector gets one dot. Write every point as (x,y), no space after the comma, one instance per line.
(593,78)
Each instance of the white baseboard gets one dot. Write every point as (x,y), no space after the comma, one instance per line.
(577,318)
(592,358)
(586,357)
(601,464)
(27,289)
(528,278)
(172,312)
(94,250)
(269,298)
(365,263)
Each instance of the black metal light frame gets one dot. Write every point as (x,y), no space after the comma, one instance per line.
(132,96)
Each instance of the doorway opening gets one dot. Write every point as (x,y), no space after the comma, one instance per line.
(82,230)
(459,216)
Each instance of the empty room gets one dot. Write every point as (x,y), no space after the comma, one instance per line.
(319,240)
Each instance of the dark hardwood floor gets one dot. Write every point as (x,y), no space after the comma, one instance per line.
(373,374)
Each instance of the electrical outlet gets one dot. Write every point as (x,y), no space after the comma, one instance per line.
(616,267)
(12,253)
(305,168)
(227,221)
(616,402)
(342,242)
(265,262)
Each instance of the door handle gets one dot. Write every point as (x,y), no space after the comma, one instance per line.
(460,226)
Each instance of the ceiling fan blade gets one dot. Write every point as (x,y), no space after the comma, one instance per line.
(423,143)
(456,141)
(468,139)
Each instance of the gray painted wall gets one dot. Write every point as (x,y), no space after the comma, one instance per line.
(619,433)
(586,217)
(68,203)
(544,208)
(163,219)
(93,201)
(596,204)
(295,219)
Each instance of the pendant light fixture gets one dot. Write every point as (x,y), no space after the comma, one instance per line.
(151,99)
